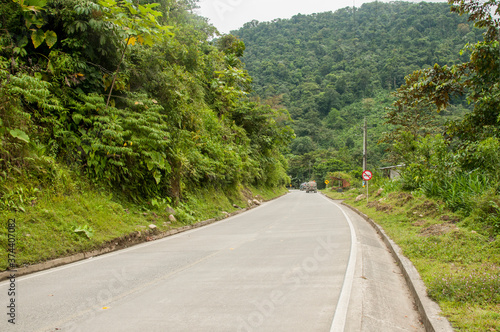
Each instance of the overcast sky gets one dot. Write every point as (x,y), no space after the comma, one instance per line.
(229,15)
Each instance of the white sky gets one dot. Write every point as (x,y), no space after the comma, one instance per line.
(229,15)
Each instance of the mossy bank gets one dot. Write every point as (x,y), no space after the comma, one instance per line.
(59,223)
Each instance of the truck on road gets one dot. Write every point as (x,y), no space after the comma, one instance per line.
(311,186)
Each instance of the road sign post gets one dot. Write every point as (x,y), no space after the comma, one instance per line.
(367,176)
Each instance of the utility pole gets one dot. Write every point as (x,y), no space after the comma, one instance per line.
(365,142)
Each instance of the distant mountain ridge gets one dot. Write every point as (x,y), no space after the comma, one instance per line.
(351,51)
(332,69)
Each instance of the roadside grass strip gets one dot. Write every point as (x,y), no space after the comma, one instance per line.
(58,225)
(460,266)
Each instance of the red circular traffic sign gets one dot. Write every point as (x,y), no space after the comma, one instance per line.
(367,175)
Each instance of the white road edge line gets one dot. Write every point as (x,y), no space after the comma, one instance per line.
(340,316)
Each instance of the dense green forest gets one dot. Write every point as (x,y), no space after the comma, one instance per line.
(426,77)
(132,95)
(330,70)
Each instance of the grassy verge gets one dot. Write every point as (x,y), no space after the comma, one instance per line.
(77,217)
(460,266)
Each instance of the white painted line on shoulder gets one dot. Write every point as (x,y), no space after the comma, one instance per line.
(340,316)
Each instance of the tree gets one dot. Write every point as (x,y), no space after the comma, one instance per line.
(182,120)
(477,79)
(133,24)
(320,62)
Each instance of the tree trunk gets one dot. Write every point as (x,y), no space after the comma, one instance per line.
(117,70)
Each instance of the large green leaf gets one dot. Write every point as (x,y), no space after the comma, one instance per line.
(77,117)
(50,38)
(22,42)
(38,37)
(36,3)
(157,176)
(19,134)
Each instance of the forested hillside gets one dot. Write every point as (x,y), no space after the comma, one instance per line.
(132,95)
(330,70)
(123,118)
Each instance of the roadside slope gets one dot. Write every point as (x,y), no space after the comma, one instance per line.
(64,228)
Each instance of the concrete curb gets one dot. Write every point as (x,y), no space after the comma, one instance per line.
(429,310)
(127,241)
(130,240)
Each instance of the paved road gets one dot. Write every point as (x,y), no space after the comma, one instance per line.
(299,263)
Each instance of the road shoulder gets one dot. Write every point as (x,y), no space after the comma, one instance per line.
(380,299)
(429,311)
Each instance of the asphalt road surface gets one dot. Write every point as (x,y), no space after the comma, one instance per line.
(298,263)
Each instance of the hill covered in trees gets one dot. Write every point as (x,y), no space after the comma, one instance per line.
(330,70)
(133,95)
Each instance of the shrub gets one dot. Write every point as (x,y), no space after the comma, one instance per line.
(485,214)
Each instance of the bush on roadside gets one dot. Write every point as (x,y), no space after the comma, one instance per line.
(485,214)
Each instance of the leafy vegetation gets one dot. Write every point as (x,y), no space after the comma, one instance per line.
(461,166)
(114,113)
(136,99)
(173,114)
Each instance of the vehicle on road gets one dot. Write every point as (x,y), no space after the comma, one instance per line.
(311,186)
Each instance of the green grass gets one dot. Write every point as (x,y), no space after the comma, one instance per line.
(78,217)
(47,229)
(460,265)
